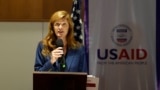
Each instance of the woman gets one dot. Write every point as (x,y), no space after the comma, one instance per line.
(48,54)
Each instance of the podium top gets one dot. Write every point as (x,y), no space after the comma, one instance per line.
(62,73)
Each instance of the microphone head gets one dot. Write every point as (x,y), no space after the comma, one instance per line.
(59,43)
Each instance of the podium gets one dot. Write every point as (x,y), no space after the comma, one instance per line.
(59,81)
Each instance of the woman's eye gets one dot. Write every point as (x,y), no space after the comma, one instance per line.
(56,24)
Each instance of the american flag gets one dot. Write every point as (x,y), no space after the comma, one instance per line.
(76,17)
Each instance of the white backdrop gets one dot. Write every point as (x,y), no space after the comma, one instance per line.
(122,44)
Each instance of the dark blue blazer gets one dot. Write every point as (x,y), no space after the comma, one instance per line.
(75,60)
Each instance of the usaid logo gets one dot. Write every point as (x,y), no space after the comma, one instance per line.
(121,35)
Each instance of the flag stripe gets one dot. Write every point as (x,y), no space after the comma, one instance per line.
(86,29)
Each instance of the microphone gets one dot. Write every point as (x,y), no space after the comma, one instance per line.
(61,60)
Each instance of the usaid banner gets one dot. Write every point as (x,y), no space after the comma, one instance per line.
(122,44)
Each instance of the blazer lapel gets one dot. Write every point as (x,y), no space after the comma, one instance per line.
(70,58)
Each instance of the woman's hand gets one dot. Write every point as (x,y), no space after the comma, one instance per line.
(56,53)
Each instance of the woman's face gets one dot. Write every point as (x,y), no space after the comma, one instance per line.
(61,28)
